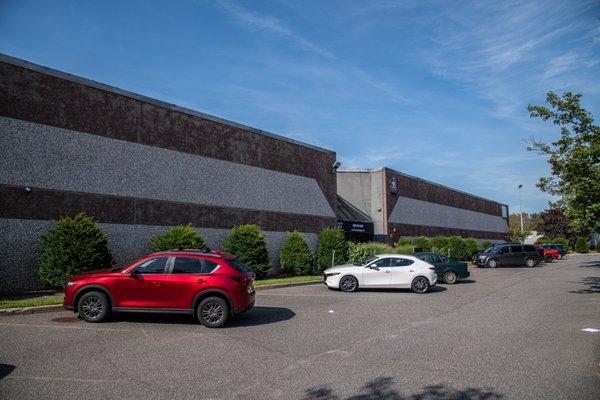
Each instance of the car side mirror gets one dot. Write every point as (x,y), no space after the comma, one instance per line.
(132,274)
(374,267)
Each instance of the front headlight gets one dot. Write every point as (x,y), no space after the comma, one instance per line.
(333,273)
(70,283)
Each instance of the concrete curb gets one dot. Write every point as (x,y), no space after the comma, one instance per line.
(31,310)
(284,285)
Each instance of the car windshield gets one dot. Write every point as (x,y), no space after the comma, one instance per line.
(367,261)
(490,250)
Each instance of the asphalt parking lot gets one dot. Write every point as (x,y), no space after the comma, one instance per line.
(505,333)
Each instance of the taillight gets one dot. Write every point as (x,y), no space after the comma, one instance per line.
(238,278)
(432,268)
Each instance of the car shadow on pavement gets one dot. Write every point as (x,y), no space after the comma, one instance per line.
(258,315)
(382,389)
(465,281)
(590,264)
(5,370)
(434,289)
(592,283)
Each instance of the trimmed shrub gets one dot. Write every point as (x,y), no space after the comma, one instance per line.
(403,242)
(73,246)
(581,245)
(359,252)
(295,256)
(247,243)
(331,239)
(178,237)
(439,244)
(422,243)
(404,249)
(486,245)
(458,249)
(473,247)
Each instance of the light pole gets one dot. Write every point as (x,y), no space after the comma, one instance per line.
(521,212)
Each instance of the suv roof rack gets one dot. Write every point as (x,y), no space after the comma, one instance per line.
(204,250)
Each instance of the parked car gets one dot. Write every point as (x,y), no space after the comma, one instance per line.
(508,254)
(548,255)
(382,271)
(449,270)
(556,246)
(209,285)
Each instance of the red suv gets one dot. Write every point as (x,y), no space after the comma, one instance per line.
(210,285)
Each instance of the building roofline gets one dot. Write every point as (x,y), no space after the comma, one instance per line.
(101,86)
(366,170)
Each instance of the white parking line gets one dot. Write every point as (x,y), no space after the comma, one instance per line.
(591,330)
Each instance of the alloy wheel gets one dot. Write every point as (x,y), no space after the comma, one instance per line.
(450,277)
(212,312)
(92,307)
(420,284)
(348,284)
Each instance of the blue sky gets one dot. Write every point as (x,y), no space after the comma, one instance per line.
(431,88)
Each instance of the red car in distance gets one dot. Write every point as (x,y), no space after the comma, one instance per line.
(548,255)
(211,286)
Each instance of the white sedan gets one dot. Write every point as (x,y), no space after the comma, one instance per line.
(383,271)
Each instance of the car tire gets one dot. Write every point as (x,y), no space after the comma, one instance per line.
(93,307)
(450,277)
(420,285)
(492,263)
(548,258)
(212,312)
(348,284)
(530,262)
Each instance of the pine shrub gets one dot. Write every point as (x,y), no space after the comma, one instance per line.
(331,239)
(422,243)
(472,246)
(486,245)
(248,243)
(295,256)
(178,237)
(439,244)
(359,252)
(73,246)
(581,245)
(458,249)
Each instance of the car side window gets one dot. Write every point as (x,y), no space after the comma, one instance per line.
(401,262)
(191,265)
(503,250)
(529,249)
(516,249)
(381,263)
(152,266)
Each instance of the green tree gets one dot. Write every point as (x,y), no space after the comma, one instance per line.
(574,159)
(514,228)
(554,223)
(73,246)
(295,256)
(581,245)
(331,239)
(178,237)
(248,243)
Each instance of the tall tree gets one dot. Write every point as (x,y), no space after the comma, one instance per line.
(574,159)
(554,223)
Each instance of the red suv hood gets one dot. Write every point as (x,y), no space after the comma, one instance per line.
(104,271)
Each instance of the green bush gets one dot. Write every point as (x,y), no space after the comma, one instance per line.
(598,247)
(404,242)
(458,249)
(73,246)
(178,237)
(359,252)
(404,249)
(563,241)
(581,245)
(422,243)
(295,256)
(247,243)
(473,247)
(486,245)
(439,244)
(331,239)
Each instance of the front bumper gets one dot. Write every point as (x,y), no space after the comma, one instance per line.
(332,281)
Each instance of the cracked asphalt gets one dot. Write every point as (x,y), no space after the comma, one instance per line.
(512,333)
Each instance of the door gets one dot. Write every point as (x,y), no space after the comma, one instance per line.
(377,274)
(503,255)
(402,272)
(516,255)
(186,278)
(142,288)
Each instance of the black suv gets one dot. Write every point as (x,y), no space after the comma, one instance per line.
(556,246)
(508,254)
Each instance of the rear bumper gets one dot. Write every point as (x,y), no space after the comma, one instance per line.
(464,275)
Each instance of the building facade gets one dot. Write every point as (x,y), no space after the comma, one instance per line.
(139,166)
(403,206)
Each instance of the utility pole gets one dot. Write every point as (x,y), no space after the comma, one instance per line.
(521,212)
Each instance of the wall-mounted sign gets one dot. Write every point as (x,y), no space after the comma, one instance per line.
(392,185)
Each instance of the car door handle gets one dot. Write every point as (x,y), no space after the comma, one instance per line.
(412,270)
(201,280)
(156,283)
(388,271)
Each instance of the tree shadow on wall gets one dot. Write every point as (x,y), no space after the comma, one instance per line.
(592,283)
(382,389)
